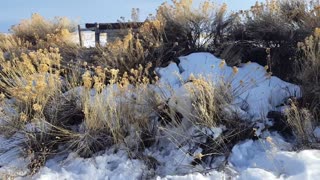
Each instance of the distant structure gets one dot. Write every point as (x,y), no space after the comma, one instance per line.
(113,30)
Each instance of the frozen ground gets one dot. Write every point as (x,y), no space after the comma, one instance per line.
(269,157)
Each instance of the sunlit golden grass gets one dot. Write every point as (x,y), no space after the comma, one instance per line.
(31,78)
(38,29)
(9,43)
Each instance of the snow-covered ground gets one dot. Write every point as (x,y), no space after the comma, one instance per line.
(249,160)
(269,157)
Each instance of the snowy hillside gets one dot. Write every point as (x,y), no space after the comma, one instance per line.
(195,91)
(269,156)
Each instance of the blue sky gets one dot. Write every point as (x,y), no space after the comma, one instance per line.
(12,11)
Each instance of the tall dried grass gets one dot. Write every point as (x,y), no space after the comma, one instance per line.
(38,30)
(210,101)
(115,112)
(301,121)
(308,71)
(32,79)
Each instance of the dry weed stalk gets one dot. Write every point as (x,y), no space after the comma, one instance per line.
(209,102)
(301,121)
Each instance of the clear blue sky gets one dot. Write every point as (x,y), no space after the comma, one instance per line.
(12,11)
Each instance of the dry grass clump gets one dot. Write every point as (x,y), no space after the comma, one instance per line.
(39,33)
(301,122)
(303,117)
(12,44)
(124,54)
(118,111)
(212,108)
(31,79)
(38,30)
(210,101)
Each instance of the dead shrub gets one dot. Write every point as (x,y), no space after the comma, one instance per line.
(278,25)
(40,33)
(193,29)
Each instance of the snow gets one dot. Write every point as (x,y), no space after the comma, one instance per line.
(251,83)
(283,165)
(269,157)
(250,159)
(196,176)
(10,162)
(107,166)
